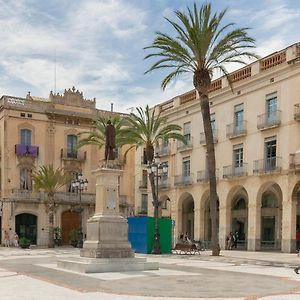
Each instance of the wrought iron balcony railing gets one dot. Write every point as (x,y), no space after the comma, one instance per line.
(26,150)
(203,139)
(269,120)
(183,179)
(203,176)
(297,112)
(182,146)
(143,184)
(163,184)
(232,171)
(266,165)
(73,155)
(163,150)
(235,130)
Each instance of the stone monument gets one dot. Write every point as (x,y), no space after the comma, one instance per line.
(106,248)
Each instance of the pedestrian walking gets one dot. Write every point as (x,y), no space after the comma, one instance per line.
(6,239)
(296,270)
(16,240)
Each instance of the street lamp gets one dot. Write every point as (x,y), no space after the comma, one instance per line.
(79,184)
(156,170)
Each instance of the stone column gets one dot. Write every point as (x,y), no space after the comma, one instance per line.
(107,231)
(288,242)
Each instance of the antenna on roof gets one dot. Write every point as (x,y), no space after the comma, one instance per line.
(111,107)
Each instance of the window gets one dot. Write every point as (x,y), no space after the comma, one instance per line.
(144,178)
(213,122)
(71,146)
(186,167)
(270,153)
(164,176)
(25,179)
(238,155)
(271,107)
(165,144)
(239,117)
(25,137)
(144,203)
(240,204)
(187,131)
(269,200)
(144,157)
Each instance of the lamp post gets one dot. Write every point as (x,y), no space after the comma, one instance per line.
(156,170)
(79,184)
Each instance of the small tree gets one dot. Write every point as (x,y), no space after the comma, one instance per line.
(50,180)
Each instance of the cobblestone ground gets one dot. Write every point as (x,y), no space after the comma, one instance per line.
(33,274)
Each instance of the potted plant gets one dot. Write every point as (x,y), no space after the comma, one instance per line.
(74,237)
(24,242)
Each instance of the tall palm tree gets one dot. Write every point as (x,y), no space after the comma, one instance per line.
(50,180)
(145,128)
(202,45)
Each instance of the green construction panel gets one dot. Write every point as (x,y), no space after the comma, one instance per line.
(165,231)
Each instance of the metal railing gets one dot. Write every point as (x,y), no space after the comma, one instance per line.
(143,184)
(141,210)
(297,112)
(267,165)
(163,150)
(203,139)
(268,120)
(183,179)
(232,171)
(73,155)
(203,176)
(235,130)
(163,184)
(26,150)
(182,146)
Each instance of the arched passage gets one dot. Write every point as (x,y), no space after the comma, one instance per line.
(271,216)
(239,216)
(165,206)
(186,210)
(26,226)
(296,200)
(70,220)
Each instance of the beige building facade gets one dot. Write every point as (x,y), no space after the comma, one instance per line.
(257,144)
(35,132)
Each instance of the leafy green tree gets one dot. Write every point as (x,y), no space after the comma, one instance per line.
(50,180)
(201,46)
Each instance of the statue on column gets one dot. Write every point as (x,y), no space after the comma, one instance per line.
(110,141)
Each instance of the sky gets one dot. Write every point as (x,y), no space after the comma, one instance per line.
(97,45)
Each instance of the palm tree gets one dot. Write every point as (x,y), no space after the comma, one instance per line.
(201,46)
(50,180)
(145,128)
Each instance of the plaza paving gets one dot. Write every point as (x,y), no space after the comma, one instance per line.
(33,274)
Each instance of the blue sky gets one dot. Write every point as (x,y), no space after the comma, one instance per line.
(99,44)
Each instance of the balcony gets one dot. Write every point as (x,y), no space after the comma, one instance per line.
(163,184)
(271,164)
(203,176)
(236,130)
(295,161)
(26,150)
(143,185)
(180,180)
(141,210)
(266,121)
(73,155)
(232,171)
(163,150)
(183,147)
(203,139)
(27,195)
(297,112)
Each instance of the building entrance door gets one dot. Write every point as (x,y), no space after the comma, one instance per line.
(26,226)
(70,220)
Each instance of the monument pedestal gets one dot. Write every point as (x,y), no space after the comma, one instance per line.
(107,248)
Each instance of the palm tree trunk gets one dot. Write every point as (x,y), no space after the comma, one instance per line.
(213,196)
(51,222)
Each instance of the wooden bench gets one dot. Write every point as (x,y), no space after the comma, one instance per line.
(185,248)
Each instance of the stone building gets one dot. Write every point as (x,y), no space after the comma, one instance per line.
(36,131)
(256,131)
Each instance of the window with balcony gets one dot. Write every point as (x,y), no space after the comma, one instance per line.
(239,118)
(186,166)
(270,153)
(25,179)
(72,146)
(25,137)
(187,131)
(144,204)
(238,159)
(271,108)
